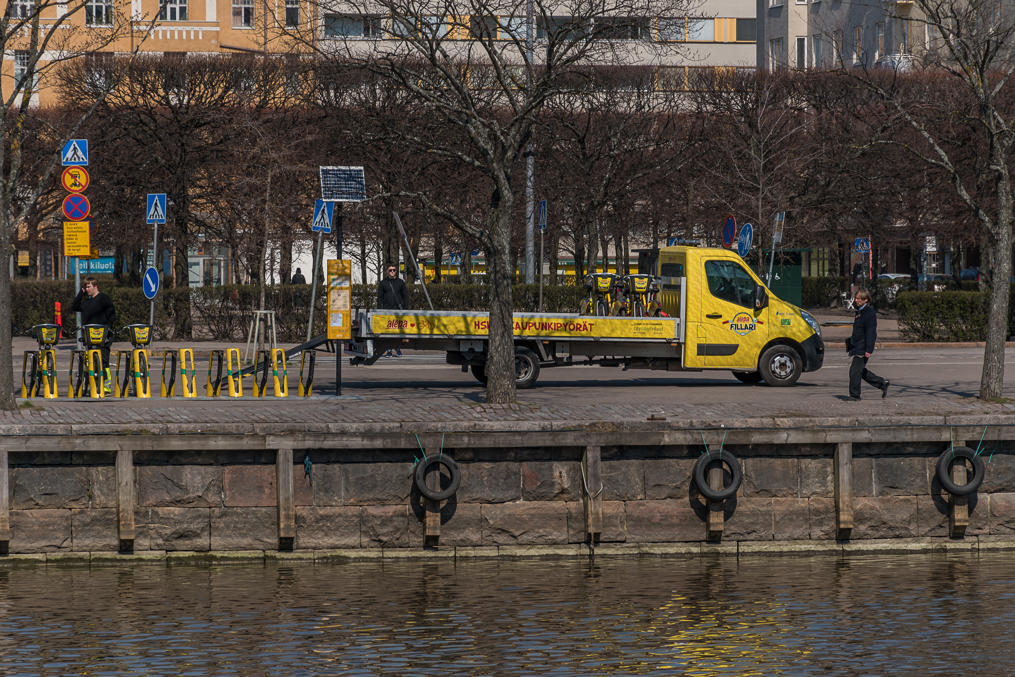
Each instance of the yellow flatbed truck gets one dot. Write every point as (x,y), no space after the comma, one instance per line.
(719,315)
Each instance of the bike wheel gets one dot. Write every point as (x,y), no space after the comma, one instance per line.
(601,308)
(639,309)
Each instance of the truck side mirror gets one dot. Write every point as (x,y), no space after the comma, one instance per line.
(760,297)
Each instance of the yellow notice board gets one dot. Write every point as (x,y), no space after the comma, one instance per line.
(24,260)
(339,299)
(76,239)
(565,326)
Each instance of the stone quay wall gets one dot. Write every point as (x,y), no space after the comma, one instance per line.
(599,485)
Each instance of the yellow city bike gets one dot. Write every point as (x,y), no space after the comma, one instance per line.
(641,296)
(605,294)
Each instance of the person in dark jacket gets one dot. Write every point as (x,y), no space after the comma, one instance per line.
(860,346)
(391,291)
(298,277)
(97,308)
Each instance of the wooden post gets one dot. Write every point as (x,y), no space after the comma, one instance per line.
(432,511)
(958,506)
(592,494)
(5,506)
(125,498)
(716,509)
(286,500)
(843,463)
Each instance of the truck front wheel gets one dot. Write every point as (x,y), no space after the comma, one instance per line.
(780,365)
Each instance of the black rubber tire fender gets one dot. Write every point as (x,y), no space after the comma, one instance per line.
(701,467)
(944,470)
(424,466)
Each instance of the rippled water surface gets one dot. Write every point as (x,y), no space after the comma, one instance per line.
(913,614)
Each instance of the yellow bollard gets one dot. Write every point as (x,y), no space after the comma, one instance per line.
(260,385)
(188,378)
(306,386)
(74,387)
(140,372)
(278,363)
(29,373)
(167,388)
(234,372)
(120,386)
(214,384)
(96,375)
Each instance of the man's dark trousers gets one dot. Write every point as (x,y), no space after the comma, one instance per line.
(857,370)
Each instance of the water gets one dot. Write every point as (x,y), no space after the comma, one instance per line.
(912,614)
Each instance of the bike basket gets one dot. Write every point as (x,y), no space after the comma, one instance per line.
(604,282)
(139,334)
(95,334)
(639,283)
(47,334)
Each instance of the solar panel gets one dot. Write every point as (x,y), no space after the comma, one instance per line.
(343,184)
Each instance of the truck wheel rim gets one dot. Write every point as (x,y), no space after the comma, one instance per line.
(522,368)
(782,366)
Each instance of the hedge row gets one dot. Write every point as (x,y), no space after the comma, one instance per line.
(825,292)
(949,315)
(223,313)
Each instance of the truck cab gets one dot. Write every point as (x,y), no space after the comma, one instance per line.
(732,321)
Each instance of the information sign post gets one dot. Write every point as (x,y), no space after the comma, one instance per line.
(339,309)
(155,213)
(75,154)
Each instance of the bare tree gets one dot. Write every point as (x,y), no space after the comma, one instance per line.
(38,35)
(965,76)
(483,68)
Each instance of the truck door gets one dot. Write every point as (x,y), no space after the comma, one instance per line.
(734,332)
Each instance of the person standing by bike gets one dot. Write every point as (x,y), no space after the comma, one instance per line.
(392,294)
(860,346)
(97,308)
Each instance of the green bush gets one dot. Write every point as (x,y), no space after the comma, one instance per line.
(822,292)
(948,315)
(223,313)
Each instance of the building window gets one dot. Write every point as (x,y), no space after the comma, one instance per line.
(775,3)
(904,43)
(173,10)
(99,13)
(292,13)
(243,13)
(818,60)
(431,26)
(837,47)
(775,53)
(20,9)
(353,26)
(879,40)
(747,30)
(672,29)
(857,44)
(701,30)
(671,79)
(98,69)
(622,28)
(801,52)
(22,58)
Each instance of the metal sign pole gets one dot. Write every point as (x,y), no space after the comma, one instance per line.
(540,269)
(415,266)
(337,225)
(77,315)
(313,282)
(155,256)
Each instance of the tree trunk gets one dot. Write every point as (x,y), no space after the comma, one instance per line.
(500,364)
(992,377)
(6,347)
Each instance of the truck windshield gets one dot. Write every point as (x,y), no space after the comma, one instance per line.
(728,281)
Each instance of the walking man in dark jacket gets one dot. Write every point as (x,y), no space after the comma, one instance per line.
(391,291)
(97,308)
(860,346)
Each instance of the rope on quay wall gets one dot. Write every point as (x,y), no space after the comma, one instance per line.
(415,459)
(721,442)
(585,483)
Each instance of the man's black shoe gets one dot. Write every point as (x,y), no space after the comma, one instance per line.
(884,389)
(854,399)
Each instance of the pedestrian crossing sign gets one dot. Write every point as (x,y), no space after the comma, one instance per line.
(75,153)
(323,213)
(156,211)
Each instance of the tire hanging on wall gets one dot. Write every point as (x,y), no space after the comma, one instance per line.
(424,466)
(701,467)
(944,470)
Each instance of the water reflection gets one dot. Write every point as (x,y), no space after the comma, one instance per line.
(689,616)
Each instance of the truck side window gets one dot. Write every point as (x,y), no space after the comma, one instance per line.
(728,281)
(671,269)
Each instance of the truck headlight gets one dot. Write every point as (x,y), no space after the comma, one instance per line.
(809,319)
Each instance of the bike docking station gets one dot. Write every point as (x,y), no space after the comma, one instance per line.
(136,374)
(188,374)
(89,379)
(38,368)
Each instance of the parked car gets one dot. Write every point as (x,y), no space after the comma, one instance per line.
(895,282)
(936,281)
(894,276)
(971,274)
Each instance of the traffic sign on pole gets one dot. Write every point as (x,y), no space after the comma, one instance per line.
(76,207)
(150,283)
(862,245)
(155,212)
(74,179)
(542,215)
(745,239)
(324,211)
(729,231)
(75,153)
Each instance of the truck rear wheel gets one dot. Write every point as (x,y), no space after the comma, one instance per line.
(780,365)
(526,369)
